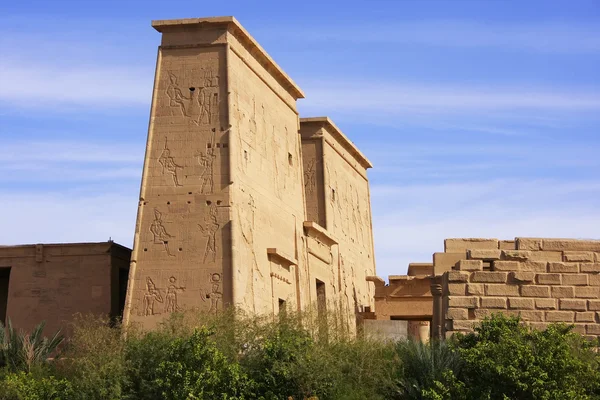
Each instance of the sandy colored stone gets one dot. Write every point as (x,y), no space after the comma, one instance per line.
(560,316)
(572,304)
(456,289)
(505,266)
(529,244)
(482,313)
(534,266)
(463,301)
(443,262)
(579,329)
(470,265)
(575,256)
(457,313)
(521,303)
(559,292)
(561,267)
(475,289)
(575,280)
(490,277)
(507,244)
(570,245)
(545,304)
(501,290)
(484,254)
(592,329)
(594,305)
(493,302)
(594,279)
(522,277)
(590,267)
(458,276)
(459,325)
(515,255)
(548,279)
(587,292)
(589,316)
(463,244)
(539,325)
(534,316)
(535,291)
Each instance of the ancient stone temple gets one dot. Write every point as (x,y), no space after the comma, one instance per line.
(242,202)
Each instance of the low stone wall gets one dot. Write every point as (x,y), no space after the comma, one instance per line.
(542,280)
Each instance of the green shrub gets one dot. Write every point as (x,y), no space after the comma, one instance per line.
(23,386)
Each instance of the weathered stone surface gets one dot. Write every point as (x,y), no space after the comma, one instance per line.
(493,302)
(484,254)
(522,277)
(443,262)
(594,305)
(521,303)
(590,267)
(506,266)
(457,313)
(489,277)
(463,301)
(545,304)
(456,289)
(507,245)
(529,243)
(570,245)
(515,255)
(456,245)
(575,280)
(592,329)
(559,292)
(535,266)
(548,279)
(539,325)
(458,276)
(470,265)
(560,316)
(572,304)
(575,256)
(481,313)
(534,316)
(458,325)
(475,289)
(502,290)
(588,316)
(561,267)
(587,292)
(535,291)
(594,279)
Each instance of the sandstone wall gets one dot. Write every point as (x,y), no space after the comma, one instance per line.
(542,280)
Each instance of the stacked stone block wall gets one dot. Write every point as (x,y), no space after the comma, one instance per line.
(542,280)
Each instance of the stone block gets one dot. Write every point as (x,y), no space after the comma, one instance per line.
(515,255)
(565,268)
(579,329)
(597,257)
(545,304)
(534,266)
(521,303)
(529,244)
(594,279)
(533,316)
(592,329)
(572,304)
(484,254)
(594,305)
(587,292)
(457,313)
(458,276)
(560,316)
(548,279)
(575,279)
(588,316)
(507,244)
(482,313)
(535,291)
(560,292)
(470,265)
(506,266)
(570,245)
(458,325)
(489,277)
(457,289)
(502,290)
(493,302)
(590,267)
(522,277)
(443,262)
(575,256)
(463,301)
(540,326)
(463,244)
(475,289)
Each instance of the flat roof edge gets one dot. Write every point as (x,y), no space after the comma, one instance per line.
(344,140)
(240,31)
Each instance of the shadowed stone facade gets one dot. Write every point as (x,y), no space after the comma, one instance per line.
(242,202)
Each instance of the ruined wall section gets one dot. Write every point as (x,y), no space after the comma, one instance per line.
(269,269)
(542,280)
(182,248)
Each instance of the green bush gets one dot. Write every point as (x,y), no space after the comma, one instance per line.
(23,386)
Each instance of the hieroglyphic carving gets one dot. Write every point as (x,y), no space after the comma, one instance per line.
(310,177)
(210,229)
(159,232)
(172,305)
(215,295)
(168,164)
(206,100)
(281,278)
(151,296)
(248,226)
(176,97)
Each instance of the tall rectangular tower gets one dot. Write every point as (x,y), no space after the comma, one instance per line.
(221,208)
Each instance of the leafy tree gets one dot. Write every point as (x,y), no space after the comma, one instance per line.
(22,386)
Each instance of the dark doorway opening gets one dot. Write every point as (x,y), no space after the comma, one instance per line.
(4,279)
(123,278)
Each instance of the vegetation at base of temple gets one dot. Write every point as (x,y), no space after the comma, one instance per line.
(197,356)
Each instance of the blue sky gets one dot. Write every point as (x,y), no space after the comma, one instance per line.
(482,118)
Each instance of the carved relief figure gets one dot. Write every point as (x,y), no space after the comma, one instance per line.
(171,305)
(176,96)
(310,177)
(210,229)
(151,296)
(208,98)
(160,233)
(248,232)
(215,294)
(168,164)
